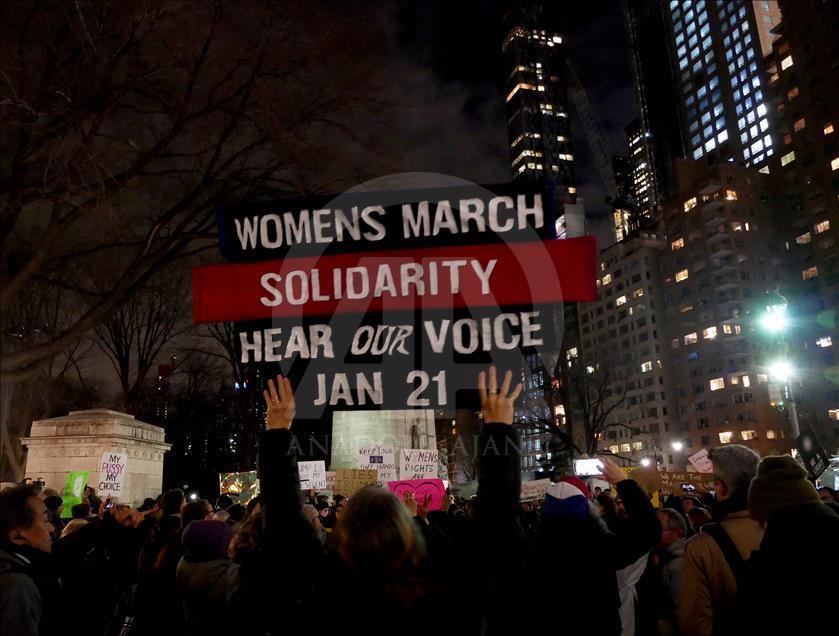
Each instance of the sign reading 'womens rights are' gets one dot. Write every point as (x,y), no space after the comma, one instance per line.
(394,299)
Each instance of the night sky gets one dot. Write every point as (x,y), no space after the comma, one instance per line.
(450,54)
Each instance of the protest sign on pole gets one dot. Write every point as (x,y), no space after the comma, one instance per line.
(393,300)
(112,474)
(418,463)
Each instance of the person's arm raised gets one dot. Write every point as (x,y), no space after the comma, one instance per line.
(499,469)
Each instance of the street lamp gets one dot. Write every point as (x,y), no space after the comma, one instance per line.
(645,462)
(775,320)
(677,446)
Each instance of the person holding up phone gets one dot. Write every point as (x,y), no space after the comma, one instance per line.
(573,539)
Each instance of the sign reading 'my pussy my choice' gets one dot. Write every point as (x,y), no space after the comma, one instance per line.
(394,299)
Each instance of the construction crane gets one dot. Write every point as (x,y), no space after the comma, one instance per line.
(596,138)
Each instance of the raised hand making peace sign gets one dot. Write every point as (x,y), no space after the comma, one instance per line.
(279,399)
(496,404)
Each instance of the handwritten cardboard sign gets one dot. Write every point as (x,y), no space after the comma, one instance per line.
(672,482)
(701,462)
(380,457)
(534,489)
(418,463)
(348,481)
(420,489)
(312,475)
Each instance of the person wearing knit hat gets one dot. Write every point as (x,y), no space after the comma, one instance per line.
(567,498)
(794,570)
(206,577)
(781,482)
(573,538)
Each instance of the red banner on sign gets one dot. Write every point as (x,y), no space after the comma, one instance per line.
(488,275)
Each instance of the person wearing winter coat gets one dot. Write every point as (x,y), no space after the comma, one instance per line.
(574,541)
(790,581)
(379,563)
(30,588)
(713,558)
(206,577)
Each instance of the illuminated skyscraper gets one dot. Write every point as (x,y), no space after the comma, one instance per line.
(537,112)
(716,50)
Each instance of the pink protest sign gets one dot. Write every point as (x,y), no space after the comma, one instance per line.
(420,489)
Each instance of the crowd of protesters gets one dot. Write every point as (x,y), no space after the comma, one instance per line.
(759,557)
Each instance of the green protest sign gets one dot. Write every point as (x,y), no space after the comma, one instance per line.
(73,490)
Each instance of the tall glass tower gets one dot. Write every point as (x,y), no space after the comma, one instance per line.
(537,112)
(717,48)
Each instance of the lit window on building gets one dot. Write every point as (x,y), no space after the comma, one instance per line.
(828,129)
(834,164)
(607,279)
(731,195)
(681,275)
(620,300)
(638,292)
(810,272)
(821,226)
(787,158)
(770,434)
(799,125)
(646,366)
(690,204)
(748,435)
(637,446)
(691,338)
(762,378)
(726,328)
(625,448)
(677,244)
(824,342)
(786,62)
(746,381)
(725,438)
(833,414)
(803,239)
(614,449)
(792,93)
(710,333)
(717,383)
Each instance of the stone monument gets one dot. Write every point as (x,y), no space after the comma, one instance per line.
(73,442)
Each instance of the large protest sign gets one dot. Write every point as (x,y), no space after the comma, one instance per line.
(379,457)
(418,463)
(112,474)
(393,300)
